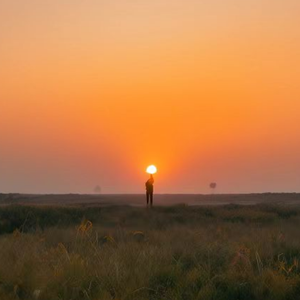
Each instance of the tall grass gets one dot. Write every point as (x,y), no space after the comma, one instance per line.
(178,252)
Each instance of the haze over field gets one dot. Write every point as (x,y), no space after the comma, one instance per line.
(92,93)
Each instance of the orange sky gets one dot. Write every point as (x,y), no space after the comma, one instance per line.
(91,92)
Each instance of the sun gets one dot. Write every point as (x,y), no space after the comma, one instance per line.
(151,169)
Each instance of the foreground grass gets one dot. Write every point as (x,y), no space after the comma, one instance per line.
(178,252)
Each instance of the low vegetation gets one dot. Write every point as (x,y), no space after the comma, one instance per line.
(177,252)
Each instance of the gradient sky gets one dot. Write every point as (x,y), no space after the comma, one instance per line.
(91,92)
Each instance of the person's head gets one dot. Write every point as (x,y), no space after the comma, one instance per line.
(151,179)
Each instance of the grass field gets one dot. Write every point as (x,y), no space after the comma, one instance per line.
(177,252)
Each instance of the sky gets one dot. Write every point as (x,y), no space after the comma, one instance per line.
(92,92)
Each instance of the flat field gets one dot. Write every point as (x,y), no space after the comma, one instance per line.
(91,250)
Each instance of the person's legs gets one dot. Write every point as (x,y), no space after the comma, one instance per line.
(147,197)
(151,199)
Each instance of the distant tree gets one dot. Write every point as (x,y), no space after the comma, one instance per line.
(213,186)
(97,190)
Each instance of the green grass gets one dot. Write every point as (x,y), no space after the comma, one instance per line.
(230,252)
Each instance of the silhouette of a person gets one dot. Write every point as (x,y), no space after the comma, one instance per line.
(149,190)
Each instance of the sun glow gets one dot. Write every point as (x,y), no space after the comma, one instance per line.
(151,169)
